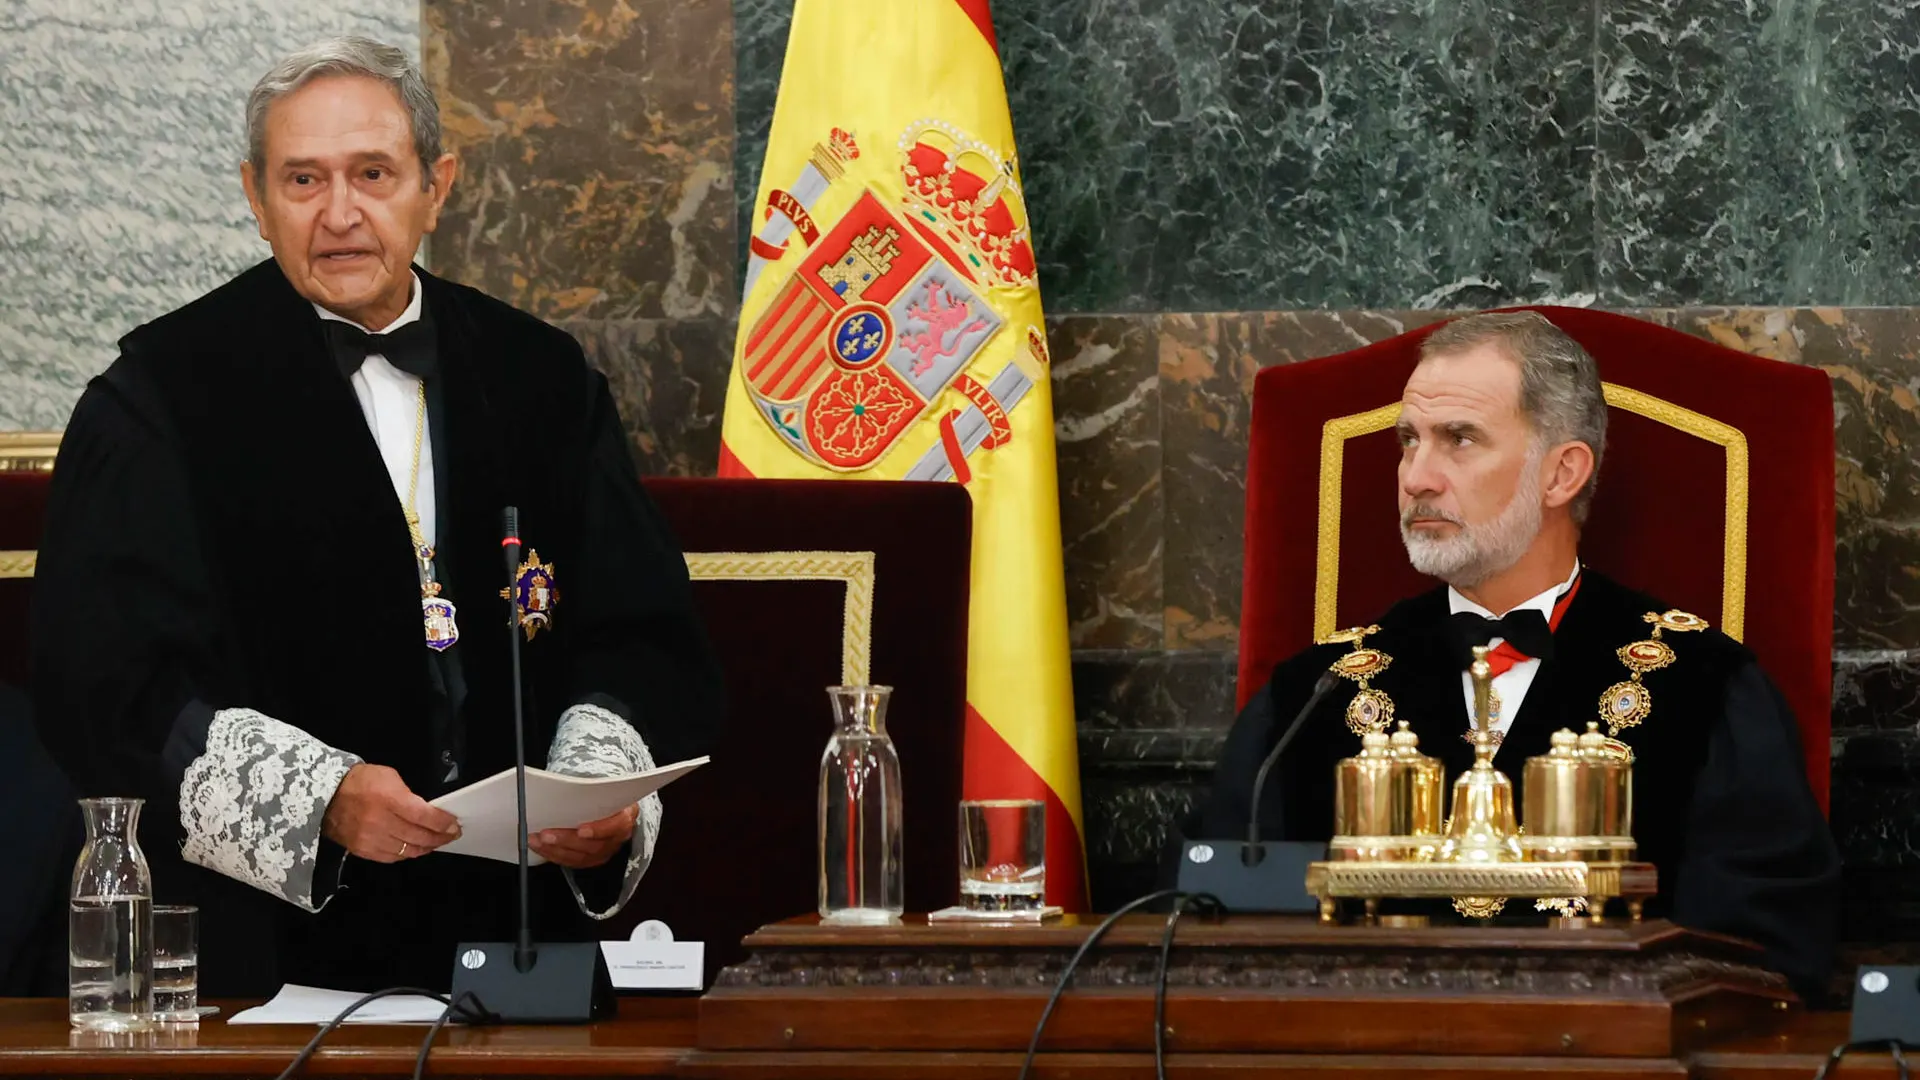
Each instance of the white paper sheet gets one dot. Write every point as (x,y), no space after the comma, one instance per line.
(489,821)
(310,1005)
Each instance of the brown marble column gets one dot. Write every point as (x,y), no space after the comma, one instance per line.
(595,140)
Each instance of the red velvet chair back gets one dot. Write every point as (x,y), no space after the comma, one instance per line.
(1716,495)
(26,472)
(738,844)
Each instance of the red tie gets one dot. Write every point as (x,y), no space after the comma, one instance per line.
(1504,655)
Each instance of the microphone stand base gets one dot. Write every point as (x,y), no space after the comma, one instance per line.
(1268,877)
(566,984)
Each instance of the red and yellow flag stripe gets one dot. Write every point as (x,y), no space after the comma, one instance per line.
(891,328)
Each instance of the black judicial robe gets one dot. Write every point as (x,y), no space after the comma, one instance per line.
(38,847)
(1721,802)
(222,533)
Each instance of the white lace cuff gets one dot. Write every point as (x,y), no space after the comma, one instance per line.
(593,741)
(253,803)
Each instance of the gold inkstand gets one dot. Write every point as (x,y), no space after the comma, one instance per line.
(1571,851)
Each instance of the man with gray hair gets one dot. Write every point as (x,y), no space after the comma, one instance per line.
(270,590)
(1502,428)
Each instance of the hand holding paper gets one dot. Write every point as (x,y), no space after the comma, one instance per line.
(589,845)
(489,823)
(374,815)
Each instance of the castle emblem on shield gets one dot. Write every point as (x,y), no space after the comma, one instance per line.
(889,305)
(534,594)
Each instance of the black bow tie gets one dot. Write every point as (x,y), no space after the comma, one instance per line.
(410,348)
(1526,631)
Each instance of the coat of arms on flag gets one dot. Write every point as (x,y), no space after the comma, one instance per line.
(891,329)
(886,310)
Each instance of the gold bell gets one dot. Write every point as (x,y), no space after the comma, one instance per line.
(1483,828)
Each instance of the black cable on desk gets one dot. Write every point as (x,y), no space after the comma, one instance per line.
(1073,963)
(1202,903)
(313,1045)
(470,1009)
(468,1006)
(1892,1046)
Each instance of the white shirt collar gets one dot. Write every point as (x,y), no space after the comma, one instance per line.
(410,315)
(1543,603)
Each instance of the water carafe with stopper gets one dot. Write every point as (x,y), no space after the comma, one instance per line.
(861,880)
(110,922)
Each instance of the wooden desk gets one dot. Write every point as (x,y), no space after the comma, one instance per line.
(648,1038)
(653,1037)
(1255,996)
(1793,1053)
(1250,998)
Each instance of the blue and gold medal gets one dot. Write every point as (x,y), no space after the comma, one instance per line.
(438,612)
(534,594)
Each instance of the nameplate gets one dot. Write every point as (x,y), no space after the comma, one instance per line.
(655,965)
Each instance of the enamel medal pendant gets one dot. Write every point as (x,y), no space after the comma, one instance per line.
(439,614)
(535,594)
(436,611)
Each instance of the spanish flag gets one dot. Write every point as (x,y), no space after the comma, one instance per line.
(891,330)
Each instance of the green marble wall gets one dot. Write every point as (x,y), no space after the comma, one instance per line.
(1222,155)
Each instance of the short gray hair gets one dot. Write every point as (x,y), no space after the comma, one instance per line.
(351,55)
(1560,391)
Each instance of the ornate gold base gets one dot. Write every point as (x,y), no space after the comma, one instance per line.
(1371,882)
(1403,922)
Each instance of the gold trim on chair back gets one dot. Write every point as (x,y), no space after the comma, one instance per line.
(853,568)
(25,451)
(1733,587)
(28,451)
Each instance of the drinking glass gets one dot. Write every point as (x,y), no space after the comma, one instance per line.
(176,963)
(1003,864)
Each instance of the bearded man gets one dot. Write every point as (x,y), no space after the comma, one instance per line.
(1502,428)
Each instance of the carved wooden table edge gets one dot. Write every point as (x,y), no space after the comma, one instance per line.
(1617,935)
(1244,985)
(901,1065)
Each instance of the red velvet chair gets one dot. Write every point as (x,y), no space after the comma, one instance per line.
(1716,494)
(26,470)
(803,584)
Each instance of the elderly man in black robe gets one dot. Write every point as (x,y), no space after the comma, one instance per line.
(269,600)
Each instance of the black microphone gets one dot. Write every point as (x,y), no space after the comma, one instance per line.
(1268,876)
(559,982)
(1320,690)
(523,954)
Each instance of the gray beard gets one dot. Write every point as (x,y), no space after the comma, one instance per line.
(1476,553)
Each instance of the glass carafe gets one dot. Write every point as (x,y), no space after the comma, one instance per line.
(110,923)
(861,880)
